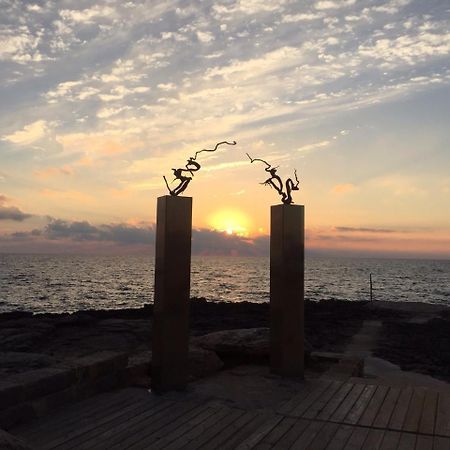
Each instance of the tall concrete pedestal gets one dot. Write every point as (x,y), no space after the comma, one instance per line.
(170,340)
(287,237)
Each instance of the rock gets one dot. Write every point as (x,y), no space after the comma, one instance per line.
(18,340)
(246,343)
(12,362)
(240,346)
(10,442)
(203,362)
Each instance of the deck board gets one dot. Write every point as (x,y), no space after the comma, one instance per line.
(344,408)
(412,419)
(443,416)
(321,414)
(401,408)
(387,408)
(373,407)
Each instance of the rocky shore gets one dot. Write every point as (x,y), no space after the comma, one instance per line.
(48,360)
(415,337)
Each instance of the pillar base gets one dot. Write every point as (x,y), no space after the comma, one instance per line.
(287,290)
(170,333)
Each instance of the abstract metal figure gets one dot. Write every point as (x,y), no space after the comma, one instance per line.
(276,182)
(191,166)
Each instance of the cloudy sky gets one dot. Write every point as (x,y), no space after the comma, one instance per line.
(100,99)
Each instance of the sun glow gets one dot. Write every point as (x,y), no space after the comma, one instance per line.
(231,222)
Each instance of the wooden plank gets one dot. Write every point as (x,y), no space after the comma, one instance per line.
(325,436)
(259,434)
(276,434)
(374,439)
(309,400)
(387,408)
(291,436)
(257,419)
(347,404)
(195,436)
(341,437)
(357,438)
(407,441)
(441,443)
(83,410)
(334,403)
(443,415)
(390,440)
(84,429)
(207,433)
(424,442)
(152,429)
(414,413)
(223,438)
(360,405)
(109,433)
(304,390)
(373,407)
(308,435)
(320,403)
(428,419)
(401,408)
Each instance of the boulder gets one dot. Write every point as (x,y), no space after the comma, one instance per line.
(13,362)
(10,442)
(240,346)
(251,343)
(203,362)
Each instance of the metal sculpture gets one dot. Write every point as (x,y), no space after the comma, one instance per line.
(285,191)
(191,166)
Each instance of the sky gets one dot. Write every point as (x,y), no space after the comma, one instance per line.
(99,100)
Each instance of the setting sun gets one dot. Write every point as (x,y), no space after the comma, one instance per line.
(230,222)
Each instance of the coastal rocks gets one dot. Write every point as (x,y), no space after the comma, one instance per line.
(34,393)
(14,362)
(249,345)
(201,362)
(10,442)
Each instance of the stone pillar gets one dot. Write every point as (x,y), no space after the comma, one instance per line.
(287,251)
(170,334)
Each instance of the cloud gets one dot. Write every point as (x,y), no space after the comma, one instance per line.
(29,133)
(364,230)
(50,172)
(204,242)
(59,229)
(11,212)
(205,37)
(87,15)
(328,4)
(301,17)
(343,188)
(314,146)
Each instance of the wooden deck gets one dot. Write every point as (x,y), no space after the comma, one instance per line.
(324,414)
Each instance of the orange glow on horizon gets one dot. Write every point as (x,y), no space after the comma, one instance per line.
(230,221)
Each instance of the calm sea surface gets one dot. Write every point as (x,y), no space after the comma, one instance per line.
(67,283)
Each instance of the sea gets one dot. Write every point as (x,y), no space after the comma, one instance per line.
(67,283)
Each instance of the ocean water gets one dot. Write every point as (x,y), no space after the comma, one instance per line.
(58,283)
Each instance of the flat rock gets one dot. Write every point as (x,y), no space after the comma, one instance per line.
(10,442)
(252,342)
(243,345)
(21,361)
(203,362)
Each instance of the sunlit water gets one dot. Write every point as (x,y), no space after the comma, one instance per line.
(68,283)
